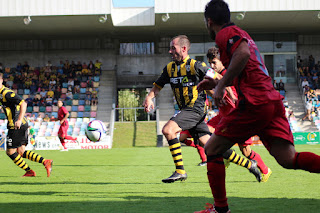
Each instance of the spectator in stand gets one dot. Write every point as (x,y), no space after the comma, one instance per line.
(49,64)
(91,66)
(315,79)
(308,110)
(76,89)
(73,65)
(88,92)
(43,93)
(52,83)
(67,65)
(281,85)
(28,83)
(26,67)
(57,93)
(90,82)
(33,118)
(46,118)
(275,85)
(84,65)
(61,64)
(304,83)
(36,101)
(299,61)
(53,119)
(311,62)
(29,101)
(49,101)
(71,82)
(19,68)
(79,66)
(9,83)
(88,99)
(97,65)
(69,95)
(39,118)
(311,94)
(1,67)
(94,100)
(33,88)
(50,93)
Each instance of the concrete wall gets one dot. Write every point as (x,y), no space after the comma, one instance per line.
(309,45)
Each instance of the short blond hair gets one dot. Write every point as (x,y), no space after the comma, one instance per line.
(183,41)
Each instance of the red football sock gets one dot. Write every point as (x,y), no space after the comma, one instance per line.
(70,138)
(201,153)
(63,143)
(189,142)
(307,161)
(216,176)
(255,156)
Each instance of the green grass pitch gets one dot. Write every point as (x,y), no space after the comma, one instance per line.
(129,180)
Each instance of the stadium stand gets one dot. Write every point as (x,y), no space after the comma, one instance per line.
(65,81)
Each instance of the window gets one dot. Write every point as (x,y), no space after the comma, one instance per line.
(137,48)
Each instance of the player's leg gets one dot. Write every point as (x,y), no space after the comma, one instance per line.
(14,141)
(187,139)
(214,148)
(285,154)
(170,131)
(36,158)
(61,135)
(252,155)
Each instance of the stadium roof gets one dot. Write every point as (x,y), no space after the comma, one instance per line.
(70,18)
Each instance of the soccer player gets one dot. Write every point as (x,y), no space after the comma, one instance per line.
(15,108)
(230,98)
(63,115)
(259,109)
(184,73)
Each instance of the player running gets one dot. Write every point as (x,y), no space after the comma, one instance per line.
(259,110)
(63,115)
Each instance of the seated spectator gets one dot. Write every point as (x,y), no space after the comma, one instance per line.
(88,92)
(79,66)
(49,64)
(61,64)
(88,99)
(90,82)
(67,65)
(304,83)
(84,65)
(27,83)
(26,67)
(73,65)
(71,82)
(275,85)
(315,78)
(19,67)
(98,65)
(46,118)
(33,118)
(311,94)
(33,88)
(57,92)
(49,101)
(9,83)
(36,101)
(52,118)
(43,93)
(281,85)
(50,93)
(85,72)
(94,100)
(29,101)
(39,118)
(308,110)
(91,66)
(76,89)
(69,95)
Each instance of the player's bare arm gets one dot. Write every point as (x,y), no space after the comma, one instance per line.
(65,117)
(23,108)
(148,103)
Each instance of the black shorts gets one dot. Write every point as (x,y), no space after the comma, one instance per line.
(17,137)
(189,119)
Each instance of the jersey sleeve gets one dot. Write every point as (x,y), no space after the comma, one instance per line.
(230,40)
(64,111)
(11,97)
(201,69)
(163,79)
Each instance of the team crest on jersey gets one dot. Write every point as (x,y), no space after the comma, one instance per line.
(231,41)
(188,68)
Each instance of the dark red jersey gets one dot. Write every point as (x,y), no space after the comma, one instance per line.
(61,114)
(254,83)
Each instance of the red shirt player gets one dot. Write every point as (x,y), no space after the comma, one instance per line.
(230,98)
(63,114)
(259,110)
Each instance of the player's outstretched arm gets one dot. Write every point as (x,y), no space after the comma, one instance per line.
(148,103)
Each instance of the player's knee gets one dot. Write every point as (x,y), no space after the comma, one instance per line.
(167,131)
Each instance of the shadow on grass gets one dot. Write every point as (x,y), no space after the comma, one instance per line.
(150,204)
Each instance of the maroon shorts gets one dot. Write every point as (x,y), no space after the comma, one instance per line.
(268,121)
(63,131)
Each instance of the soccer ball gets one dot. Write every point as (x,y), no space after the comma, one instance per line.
(95,130)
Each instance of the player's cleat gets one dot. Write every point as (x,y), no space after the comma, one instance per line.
(255,171)
(175,177)
(265,177)
(29,173)
(64,150)
(204,163)
(226,163)
(48,165)
(211,209)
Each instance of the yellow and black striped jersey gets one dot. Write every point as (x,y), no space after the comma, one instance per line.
(10,103)
(184,79)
